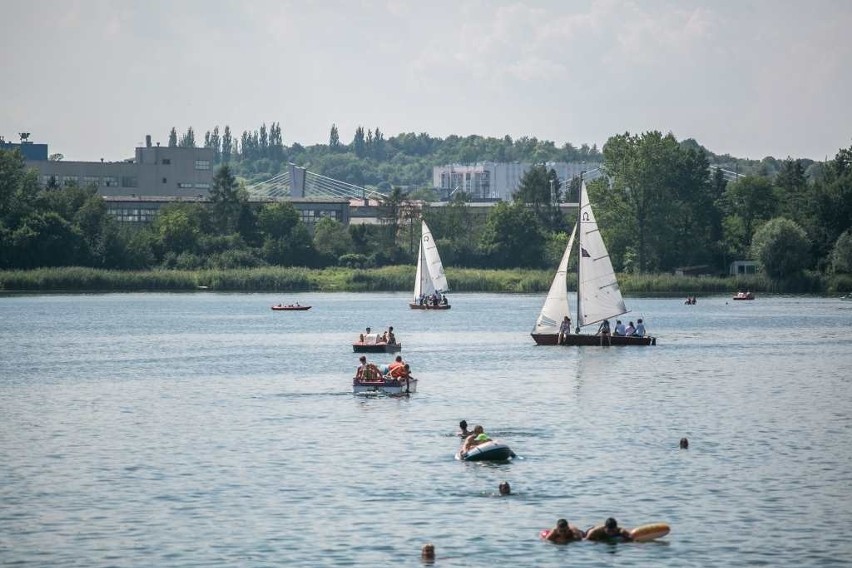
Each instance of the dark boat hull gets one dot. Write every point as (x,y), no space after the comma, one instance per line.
(489,451)
(376,347)
(595,340)
(414,306)
(291,308)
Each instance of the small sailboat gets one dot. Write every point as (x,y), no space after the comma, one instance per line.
(598,295)
(430,283)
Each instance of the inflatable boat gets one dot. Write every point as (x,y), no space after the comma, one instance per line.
(492,450)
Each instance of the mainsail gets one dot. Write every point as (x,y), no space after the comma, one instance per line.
(598,295)
(555,306)
(430,276)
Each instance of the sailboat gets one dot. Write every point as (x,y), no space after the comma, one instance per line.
(430,283)
(598,295)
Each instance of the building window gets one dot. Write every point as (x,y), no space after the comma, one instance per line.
(202,186)
(165,180)
(128,181)
(91,180)
(166,162)
(182,185)
(70,181)
(202,164)
(110,181)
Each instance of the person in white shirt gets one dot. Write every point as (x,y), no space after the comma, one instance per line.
(640,328)
(630,330)
(619,328)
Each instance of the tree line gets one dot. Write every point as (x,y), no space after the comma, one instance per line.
(660,207)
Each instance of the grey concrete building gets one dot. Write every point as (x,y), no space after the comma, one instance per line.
(493,181)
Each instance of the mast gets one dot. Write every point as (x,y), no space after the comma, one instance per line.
(579,245)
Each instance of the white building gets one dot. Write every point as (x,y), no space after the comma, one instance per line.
(492,181)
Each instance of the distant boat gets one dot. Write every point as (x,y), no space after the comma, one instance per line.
(290,307)
(744,296)
(430,281)
(598,295)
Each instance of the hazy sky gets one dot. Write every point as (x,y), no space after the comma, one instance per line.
(749,78)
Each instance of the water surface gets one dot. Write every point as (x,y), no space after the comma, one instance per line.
(206,430)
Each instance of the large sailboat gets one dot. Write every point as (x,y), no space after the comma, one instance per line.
(598,295)
(430,283)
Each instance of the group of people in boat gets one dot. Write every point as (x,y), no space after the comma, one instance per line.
(637,330)
(690,301)
(396,370)
(747,295)
(472,438)
(387,337)
(433,299)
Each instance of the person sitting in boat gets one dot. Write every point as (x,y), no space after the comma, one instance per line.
(604,328)
(478,437)
(463,431)
(640,328)
(564,330)
(383,338)
(397,368)
(564,533)
(391,336)
(443,300)
(359,373)
(630,329)
(610,531)
(619,328)
(365,337)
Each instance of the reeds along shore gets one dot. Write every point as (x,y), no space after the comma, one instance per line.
(389,279)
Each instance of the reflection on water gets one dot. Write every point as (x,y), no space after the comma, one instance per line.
(205,429)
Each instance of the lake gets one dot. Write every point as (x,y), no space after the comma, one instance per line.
(204,429)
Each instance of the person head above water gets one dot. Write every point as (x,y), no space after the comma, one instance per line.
(478,429)
(428,552)
(562,524)
(463,424)
(505,488)
(611,524)
(684,444)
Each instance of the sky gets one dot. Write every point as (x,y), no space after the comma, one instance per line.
(750,78)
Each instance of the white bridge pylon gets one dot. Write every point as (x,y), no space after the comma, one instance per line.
(298,182)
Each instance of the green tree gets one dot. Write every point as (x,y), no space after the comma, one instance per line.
(512,237)
(46,239)
(227,145)
(841,255)
(747,201)
(188,139)
(173,140)
(177,230)
(227,200)
(331,240)
(359,143)
(334,139)
(781,247)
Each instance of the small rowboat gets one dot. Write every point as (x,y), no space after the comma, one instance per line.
(290,307)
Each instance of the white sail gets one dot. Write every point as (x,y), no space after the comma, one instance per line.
(599,296)
(430,276)
(555,306)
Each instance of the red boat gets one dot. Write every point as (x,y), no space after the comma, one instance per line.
(290,307)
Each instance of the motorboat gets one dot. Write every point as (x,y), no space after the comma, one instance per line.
(744,296)
(492,450)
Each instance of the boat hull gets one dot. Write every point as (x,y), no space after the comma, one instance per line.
(594,340)
(488,451)
(385,386)
(291,308)
(415,306)
(376,347)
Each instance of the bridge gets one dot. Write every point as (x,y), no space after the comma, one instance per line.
(298,182)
